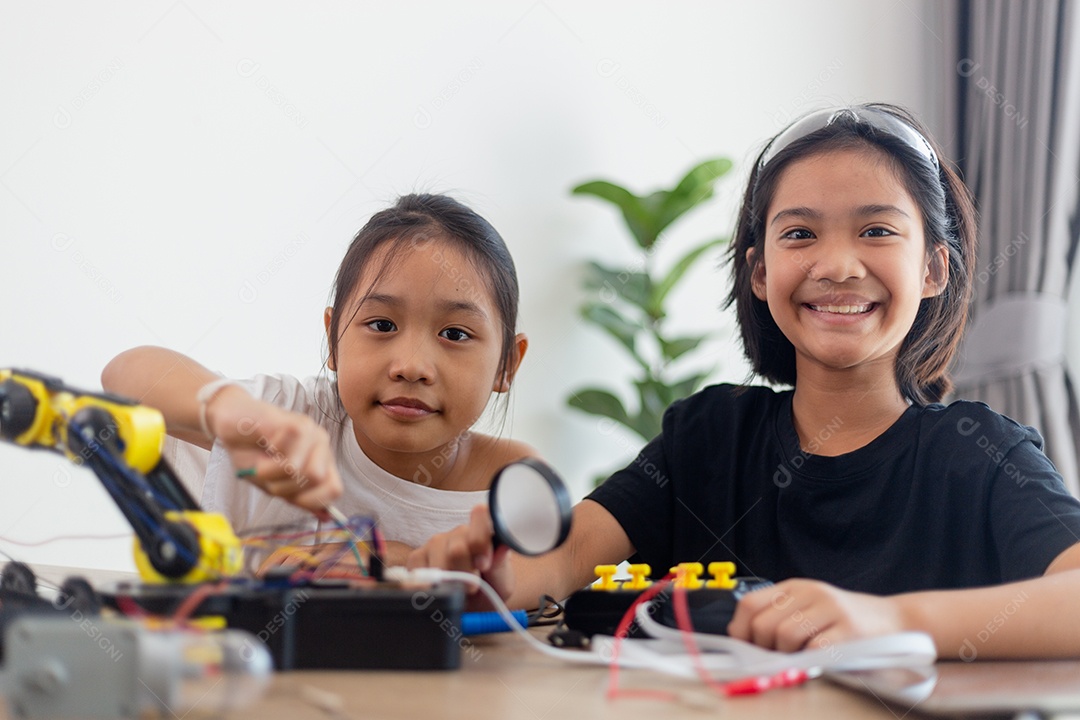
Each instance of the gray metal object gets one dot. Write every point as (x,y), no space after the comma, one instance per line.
(93,667)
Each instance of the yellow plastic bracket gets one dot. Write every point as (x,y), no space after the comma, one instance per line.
(605,577)
(141,428)
(687,575)
(639,577)
(721,575)
(40,431)
(220,553)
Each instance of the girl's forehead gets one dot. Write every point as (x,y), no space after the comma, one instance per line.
(408,258)
(422,268)
(860,174)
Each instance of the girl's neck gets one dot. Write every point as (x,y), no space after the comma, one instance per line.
(836,412)
(444,468)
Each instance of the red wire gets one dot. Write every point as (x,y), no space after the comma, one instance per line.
(686,628)
(192,601)
(128,607)
(281,536)
(621,632)
(743,686)
(59,538)
(750,685)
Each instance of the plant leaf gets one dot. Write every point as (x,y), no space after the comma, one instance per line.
(674,349)
(638,219)
(620,328)
(654,397)
(633,286)
(647,425)
(600,402)
(665,286)
(687,386)
(695,188)
(705,173)
(654,203)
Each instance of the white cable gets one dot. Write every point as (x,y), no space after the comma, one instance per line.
(907,649)
(434,575)
(728,658)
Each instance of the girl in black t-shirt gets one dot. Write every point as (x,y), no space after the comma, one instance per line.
(852,267)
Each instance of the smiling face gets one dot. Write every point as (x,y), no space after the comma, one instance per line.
(418,360)
(845,261)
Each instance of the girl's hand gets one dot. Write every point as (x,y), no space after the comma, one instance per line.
(796,614)
(468,548)
(396,553)
(283,453)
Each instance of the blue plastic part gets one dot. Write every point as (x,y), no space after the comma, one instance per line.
(482,623)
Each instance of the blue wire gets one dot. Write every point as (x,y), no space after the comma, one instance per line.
(358,527)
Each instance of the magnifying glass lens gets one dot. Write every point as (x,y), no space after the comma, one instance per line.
(530,507)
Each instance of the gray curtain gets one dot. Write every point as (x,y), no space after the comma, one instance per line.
(1013,104)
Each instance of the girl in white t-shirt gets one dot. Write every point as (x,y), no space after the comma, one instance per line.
(421,332)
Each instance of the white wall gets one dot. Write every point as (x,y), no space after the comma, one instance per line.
(187,174)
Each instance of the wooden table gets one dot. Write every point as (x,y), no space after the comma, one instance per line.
(502,677)
(507,680)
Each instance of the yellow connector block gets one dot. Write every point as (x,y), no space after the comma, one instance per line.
(687,575)
(606,577)
(721,575)
(639,577)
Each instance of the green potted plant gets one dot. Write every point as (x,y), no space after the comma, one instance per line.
(630,303)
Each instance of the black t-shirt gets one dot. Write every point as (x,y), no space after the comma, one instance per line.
(948,497)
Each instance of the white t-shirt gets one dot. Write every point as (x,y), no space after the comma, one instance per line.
(405,511)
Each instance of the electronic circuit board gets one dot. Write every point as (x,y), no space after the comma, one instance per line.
(599,609)
(325,625)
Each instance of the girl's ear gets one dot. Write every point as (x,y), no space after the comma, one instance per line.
(502,383)
(757,275)
(937,272)
(328,314)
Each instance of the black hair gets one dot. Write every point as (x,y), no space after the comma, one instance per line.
(948,211)
(417,218)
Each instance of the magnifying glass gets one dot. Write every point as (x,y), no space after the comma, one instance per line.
(530,507)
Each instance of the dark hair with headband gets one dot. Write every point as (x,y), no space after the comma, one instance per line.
(922,362)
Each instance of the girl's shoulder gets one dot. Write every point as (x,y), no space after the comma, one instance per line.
(726,405)
(499,451)
(970,421)
(727,414)
(309,395)
(487,455)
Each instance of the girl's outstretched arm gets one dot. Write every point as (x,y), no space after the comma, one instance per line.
(284,453)
(1029,619)
(596,538)
(166,380)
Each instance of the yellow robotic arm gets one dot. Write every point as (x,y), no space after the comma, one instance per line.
(121,441)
